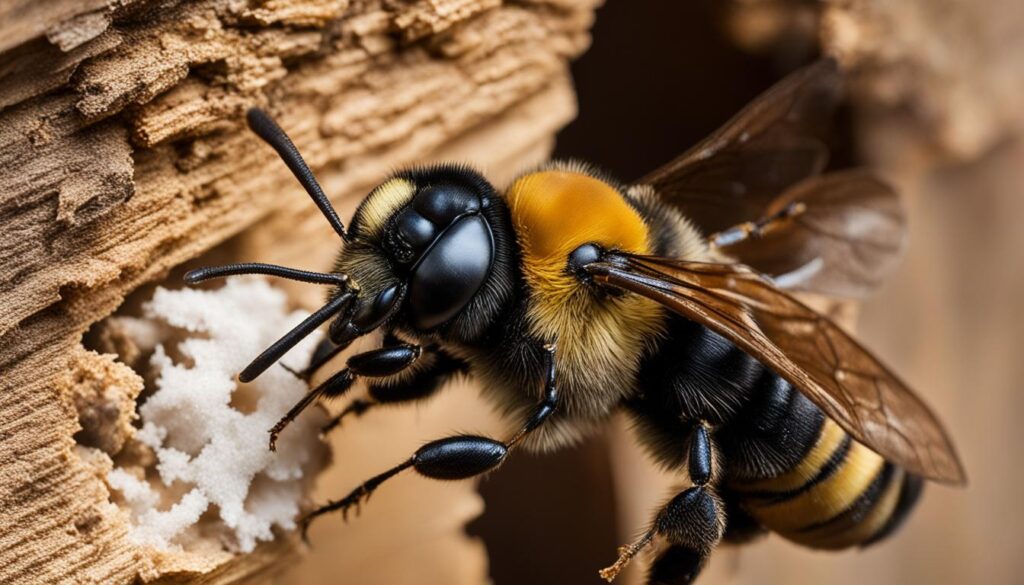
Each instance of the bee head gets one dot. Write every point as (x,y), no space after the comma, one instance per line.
(429,249)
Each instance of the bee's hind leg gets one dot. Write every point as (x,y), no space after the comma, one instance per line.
(692,523)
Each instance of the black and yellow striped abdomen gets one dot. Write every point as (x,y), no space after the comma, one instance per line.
(785,464)
(840,494)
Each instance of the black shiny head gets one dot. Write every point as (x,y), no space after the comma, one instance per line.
(448,247)
(429,250)
(443,234)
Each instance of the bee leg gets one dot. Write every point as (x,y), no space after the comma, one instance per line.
(763,225)
(456,457)
(354,322)
(385,361)
(324,352)
(692,522)
(420,381)
(327,350)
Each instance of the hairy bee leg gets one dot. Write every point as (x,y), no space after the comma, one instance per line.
(456,457)
(692,522)
(385,361)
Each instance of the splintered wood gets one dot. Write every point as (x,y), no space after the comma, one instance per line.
(123,154)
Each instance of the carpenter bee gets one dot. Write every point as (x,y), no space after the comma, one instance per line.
(571,296)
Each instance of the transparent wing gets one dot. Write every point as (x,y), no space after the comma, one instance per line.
(848,383)
(850,228)
(839,234)
(775,142)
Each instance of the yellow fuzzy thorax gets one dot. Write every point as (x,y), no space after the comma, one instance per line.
(600,340)
(556,211)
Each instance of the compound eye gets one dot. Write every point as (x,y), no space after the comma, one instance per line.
(583,255)
(451,272)
(415,229)
(443,203)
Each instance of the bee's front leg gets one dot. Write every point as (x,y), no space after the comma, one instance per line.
(456,457)
(378,363)
(418,382)
(692,522)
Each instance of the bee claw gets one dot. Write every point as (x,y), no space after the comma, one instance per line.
(626,554)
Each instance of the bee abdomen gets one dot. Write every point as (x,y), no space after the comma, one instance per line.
(774,432)
(840,494)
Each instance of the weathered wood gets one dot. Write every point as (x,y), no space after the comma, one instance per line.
(123,154)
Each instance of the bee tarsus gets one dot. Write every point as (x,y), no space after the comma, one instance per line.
(692,522)
(355,498)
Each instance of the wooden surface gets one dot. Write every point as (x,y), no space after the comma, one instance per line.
(953,67)
(122,155)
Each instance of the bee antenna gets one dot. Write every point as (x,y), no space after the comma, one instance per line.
(208,272)
(280,347)
(272,134)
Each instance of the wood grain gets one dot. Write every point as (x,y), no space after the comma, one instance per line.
(123,154)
